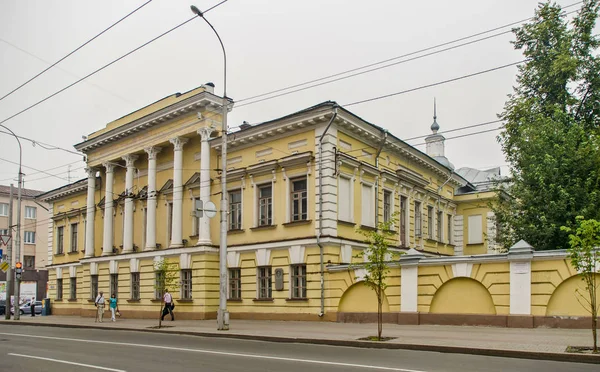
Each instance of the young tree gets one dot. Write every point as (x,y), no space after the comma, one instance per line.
(550,136)
(166,278)
(585,258)
(378,257)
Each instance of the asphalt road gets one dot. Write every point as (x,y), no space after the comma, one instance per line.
(25,348)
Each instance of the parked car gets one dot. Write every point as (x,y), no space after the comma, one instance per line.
(26,308)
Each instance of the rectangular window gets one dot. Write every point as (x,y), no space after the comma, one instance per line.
(114,285)
(60,234)
(430,222)
(195,220)
(344,197)
(144,226)
(135,286)
(387,206)
(186,284)
(159,285)
(73,237)
(30,213)
(169,223)
(235,284)
(418,222)
(298,281)
(474,226)
(264,282)
(449,236)
(403,240)
(94,286)
(59,289)
(235,210)
(440,225)
(73,289)
(4,232)
(299,200)
(29,262)
(265,205)
(29,237)
(368,210)
(4,209)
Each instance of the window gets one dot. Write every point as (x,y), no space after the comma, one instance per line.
(114,285)
(235,284)
(59,287)
(368,210)
(4,209)
(195,220)
(73,289)
(144,227)
(135,286)
(430,222)
(186,284)
(299,200)
(264,282)
(159,285)
(449,236)
(3,231)
(344,198)
(60,232)
(265,205)
(440,225)
(94,287)
(475,229)
(387,206)
(29,262)
(29,237)
(235,210)
(403,240)
(298,281)
(169,222)
(30,212)
(418,223)
(73,237)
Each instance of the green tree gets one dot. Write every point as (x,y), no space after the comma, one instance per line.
(585,258)
(167,277)
(550,136)
(377,266)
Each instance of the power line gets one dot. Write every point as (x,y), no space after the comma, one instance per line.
(74,51)
(103,67)
(45,146)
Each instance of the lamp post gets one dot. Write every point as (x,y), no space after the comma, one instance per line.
(18,237)
(222,314)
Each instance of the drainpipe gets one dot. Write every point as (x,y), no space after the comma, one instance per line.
(320,231)
(385,134)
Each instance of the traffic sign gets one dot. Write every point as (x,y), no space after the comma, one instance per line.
(210,209)
(18,265)
(4,266)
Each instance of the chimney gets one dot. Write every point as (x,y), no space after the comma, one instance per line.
(209,87)
(245,125)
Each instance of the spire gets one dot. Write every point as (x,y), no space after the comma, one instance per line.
(435,126)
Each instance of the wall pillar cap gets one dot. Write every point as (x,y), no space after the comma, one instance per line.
(520,251)
(412,257)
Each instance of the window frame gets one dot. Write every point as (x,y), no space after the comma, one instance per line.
(72,288)
(418,219)
(430,228)
(186,284)
(27,215)
(235,209)
(234,276)
(113,285)
(388,208)
(25,263)
(60,238)
(298,281)
(74,237)
(342,202)
(264,277)
(369,218)
(300,195)
(159,285)
(59,288)
(4,209)
(268,205)
(28,234)
(449,227)
(135,285)
(479,238)
(403,221)
(93,286)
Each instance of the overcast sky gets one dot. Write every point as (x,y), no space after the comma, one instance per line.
(270,45)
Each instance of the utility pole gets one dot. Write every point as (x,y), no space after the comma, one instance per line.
(18,250)
(9,272)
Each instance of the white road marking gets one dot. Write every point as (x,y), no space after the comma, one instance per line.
(66,362)
(213,352)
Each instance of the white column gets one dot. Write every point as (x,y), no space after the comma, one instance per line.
(520,256)
(128,223)
(204,228)
(151,204)
(107,241)
(409,281)
(90,213)
(177,228)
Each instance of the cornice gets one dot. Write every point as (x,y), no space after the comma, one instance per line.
(200,100)
(78,187)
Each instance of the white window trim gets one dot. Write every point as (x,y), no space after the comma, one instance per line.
(420,211)
(26,234)
(407,219)
(288,190)
(4,209)
(350,179)
(255,208)
(392,205)
(27,207)
(373,201)
(479,238)
(241,190)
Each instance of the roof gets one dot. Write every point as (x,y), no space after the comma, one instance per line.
(25,193)
(483,180)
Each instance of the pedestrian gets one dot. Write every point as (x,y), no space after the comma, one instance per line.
(169,305)
(32,306)
(113,306)
(99,303)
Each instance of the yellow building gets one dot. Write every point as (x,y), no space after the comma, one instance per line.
(299,187)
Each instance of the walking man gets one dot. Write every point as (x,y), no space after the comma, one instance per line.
(169,305)
(100,307)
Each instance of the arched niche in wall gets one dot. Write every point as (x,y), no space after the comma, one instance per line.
(566,302)
(462,296)
(361,299)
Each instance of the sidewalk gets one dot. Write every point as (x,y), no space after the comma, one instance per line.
(536,343)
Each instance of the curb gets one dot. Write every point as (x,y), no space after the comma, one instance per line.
(557,357)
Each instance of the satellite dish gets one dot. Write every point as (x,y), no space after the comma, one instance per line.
(210,209)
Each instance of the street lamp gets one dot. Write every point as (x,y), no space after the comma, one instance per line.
(18,237)
(222,314)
